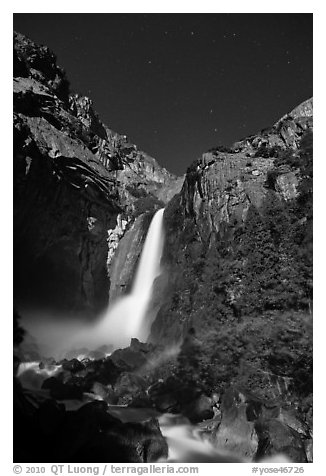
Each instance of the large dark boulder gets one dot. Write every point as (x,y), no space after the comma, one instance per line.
(64,391)
(252,428)
(235,433)
(116,441)
(176,396)
(274,437)
(199,409)
(134,357)
(44,431)
(164,400)
(49,417)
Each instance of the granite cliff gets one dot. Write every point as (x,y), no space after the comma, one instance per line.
(78,186)
(231,192)
(238,264)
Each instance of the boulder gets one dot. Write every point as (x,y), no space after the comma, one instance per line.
(102,373)
(235,434)
(105,392)
(129,386)
(64,391)
(274,437)
(198,410)
(165,395)
(253,429)
(141,400)
(290,418)
(73,365)
(93,435)
(50,416)
(133,357)
(44,431)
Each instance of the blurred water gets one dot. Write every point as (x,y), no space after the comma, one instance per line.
(31,376)
(126,318)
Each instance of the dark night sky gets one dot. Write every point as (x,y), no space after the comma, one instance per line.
(179,84)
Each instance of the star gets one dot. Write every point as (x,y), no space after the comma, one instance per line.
(149,62)
(211,111)
(215,130)
(192,33)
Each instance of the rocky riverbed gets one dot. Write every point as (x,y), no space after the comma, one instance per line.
(115,409)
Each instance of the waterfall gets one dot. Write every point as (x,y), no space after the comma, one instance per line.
(149,264)
(126,318)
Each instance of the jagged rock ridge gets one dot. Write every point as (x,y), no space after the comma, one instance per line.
(78,187)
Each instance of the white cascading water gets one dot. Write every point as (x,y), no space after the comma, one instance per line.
(126,318)
(31,376)
(187,444)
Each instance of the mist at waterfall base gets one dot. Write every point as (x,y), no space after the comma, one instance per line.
(124,319)
(127,317)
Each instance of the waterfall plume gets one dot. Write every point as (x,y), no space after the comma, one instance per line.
(126,318)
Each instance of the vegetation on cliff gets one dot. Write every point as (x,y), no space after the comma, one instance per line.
(246,290)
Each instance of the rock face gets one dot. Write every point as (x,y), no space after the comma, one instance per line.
(238,263)
(228,194)
(125,259)
(78,186)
